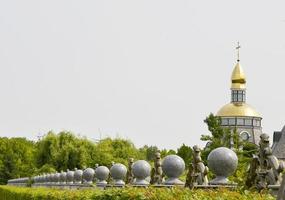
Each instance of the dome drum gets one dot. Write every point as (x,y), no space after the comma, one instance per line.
(241,121)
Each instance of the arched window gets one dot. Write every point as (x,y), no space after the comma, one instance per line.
(244,135)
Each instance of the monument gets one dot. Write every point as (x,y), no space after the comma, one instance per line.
(265,169)
(197,173)
(156,176)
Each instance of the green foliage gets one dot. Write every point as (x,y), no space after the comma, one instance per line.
(219,136)
(185,152)
(165,152)
(149,152)
(16,158)
(64,151)
(117,150)
(14,193)
(55,152)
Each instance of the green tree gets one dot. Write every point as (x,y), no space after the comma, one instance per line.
(149,152)
(185,152)
(117,150)
(16,158)
(219,136)
(64,151)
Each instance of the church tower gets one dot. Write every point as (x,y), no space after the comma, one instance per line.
(238,114)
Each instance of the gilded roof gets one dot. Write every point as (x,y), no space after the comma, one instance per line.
(238,77)
(237,110)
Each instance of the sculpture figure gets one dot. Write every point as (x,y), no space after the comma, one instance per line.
(130,175)
(156,174)
(197,172)
(265,168)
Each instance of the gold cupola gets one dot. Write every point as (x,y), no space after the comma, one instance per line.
(238,77)
(238,106)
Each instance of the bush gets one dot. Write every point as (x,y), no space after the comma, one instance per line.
(17,193)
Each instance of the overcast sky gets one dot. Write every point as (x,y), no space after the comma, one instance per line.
(148,70)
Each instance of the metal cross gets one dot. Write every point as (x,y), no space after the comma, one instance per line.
(237,48)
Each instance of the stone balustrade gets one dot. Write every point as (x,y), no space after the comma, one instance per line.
(172,166)
(19,181)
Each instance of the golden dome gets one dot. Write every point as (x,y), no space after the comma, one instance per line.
(237,110)
(238,77)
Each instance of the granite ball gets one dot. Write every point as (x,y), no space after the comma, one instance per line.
(222,162)
(118,172)
(48,178)
(52,177)
(102,173)
(63,177)
(57,177)
(173,166)
(69,176)
(141,170)
(78,176)
(44,180)
(40,179)
(35,179)
(88,175)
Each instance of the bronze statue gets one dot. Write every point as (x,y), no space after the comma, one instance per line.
(130,176)
(265,168)
(197,172)
(156,173)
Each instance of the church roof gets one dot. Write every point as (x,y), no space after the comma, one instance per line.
(238,77)
(237,110)
(278,147)
(238,107)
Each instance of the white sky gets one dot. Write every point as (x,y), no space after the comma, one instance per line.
(149,70)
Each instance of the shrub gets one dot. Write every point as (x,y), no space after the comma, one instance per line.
(17,193)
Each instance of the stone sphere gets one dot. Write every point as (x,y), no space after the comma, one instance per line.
(173,166)
(40,179)
(70,176)
(57,177)
(48,178)
(78,176)
(118,171)
(34,178)
(222,162)
(43,178)
(52,177)
(63,176)
(102,173)
(88,175)
(141,169)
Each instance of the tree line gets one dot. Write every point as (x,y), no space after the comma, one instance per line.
(20,157)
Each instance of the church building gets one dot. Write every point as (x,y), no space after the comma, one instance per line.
(238,114)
